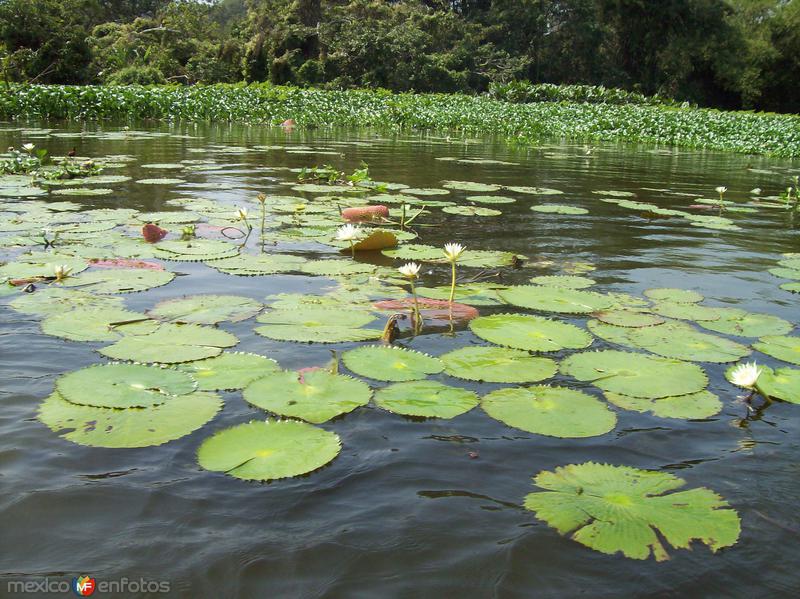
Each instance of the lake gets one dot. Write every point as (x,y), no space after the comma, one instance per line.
(410,506)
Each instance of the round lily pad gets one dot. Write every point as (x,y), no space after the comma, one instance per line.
(131,427)
(471,211)
(321,325)
(692,406)
(429,399)
(171,344)
(628,318)
(389,363)
(537,191)
(532,333)
(41,264)
(269,450)
(315,396)
(498,365)
(564,281)
(782,347)
(552,411)
(57,300)
(119,280)
(637,375)
(621,509)
(677,296)
(681,341)
(123,385)
(687,311)
(196,250)
(229,370)
(206,309)
(160,181)
(780,383)
(471,186)
(93,324)
(559,209)
(491,199)
(553,299)
(792,287)
(748,324)
(249,265)
(329,268)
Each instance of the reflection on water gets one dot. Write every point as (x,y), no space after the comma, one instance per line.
(365,526)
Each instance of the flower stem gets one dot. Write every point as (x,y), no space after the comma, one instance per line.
(352,250)
(452,281)
(417,314)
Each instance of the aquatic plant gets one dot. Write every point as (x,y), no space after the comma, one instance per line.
(411,272)
(453,251)
(349,233)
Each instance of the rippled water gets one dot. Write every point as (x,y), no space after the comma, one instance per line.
(404,510)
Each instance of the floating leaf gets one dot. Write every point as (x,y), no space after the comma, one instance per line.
(471,186)
(389,363)
(618,508)
(379,239)
(93,324)
(688,311)
(171,344)
(532,333)
(249,265)
(229,370)
(316,397)
(120,280)
(676,296)
(553,299)
(123,385)
(491,199)
(321,325)
(749,324)
(160,181)
(793,287)
(429,399)
(471,211)
(41,264)
(268,450)
(628,318)
(703,404)
(206,309)
(681,341)
(474,294)
(552,411)
(637,375)
(498,365)
(56,300)
(132,427)
(329,268)
(782,347)
(196,250)
(563,281)
(538,191)
(559,209)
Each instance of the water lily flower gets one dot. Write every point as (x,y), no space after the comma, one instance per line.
(349,233)
(410,270)
(720,190)
(241,214)
(453,251)
(28,147)
(746,375)
(61,271)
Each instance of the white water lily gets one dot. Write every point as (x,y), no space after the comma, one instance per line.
(746,375)
(28,147)
(410,270)
(348,233)
(453,251)
(721,189)
(61,271)
(241,213)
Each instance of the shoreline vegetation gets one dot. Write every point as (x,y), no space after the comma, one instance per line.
(535,112)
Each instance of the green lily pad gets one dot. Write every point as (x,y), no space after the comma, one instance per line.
(537,191)
(676,296)
(389,363)
(531,333)
(748,324)
(317,324)
(786,273)
(171,344)
(552,411)
(415,251)
(688,311)
(131,427)
(429,399)
(123,385)
(628,318)
(637,375)
(119,280)
(563,281)
(206,309)
(472,294)
(792,287)
(56,300)
(249,265)
(681,341)
(269,450)
(554,299)
(471,211)
(780,383)
(693,406)
(316,396)
(92,324)
(471,186)
(229,370)
(498,365)
(621,509)
(41,264)
(491,199)
(329,268)
(160,181)
(559,209)
(782,347)
(196,250)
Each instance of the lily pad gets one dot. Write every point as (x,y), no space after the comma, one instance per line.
(559,209)
(749,324)
(537,191)
(703,404)
(171,344)
(317,324)
(782,347)
(196,250)
(676,296)
(92,324)
(269,450)
(554,299)
(429,399)
(57,300)
(471,186)
(119,280)
(229,370)
(637,375)
(491,199)
(531,333)
(206,309)
(249,265)
(688,311)
(471,211)
(123,385)
(316,396)
(131,427)
(389,363)
(681,341)
(552,411)
(628,318)
(563,281)
(621,509)
(498,365)
(472,294)
(41,264)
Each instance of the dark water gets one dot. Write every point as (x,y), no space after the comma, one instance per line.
(404,511)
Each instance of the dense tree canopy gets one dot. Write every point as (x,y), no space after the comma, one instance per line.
(728,53)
